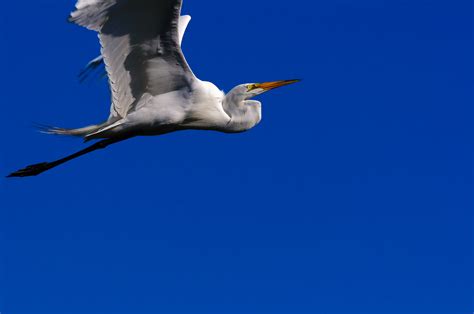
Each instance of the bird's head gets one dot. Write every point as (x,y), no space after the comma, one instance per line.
(246,113)
(251,90)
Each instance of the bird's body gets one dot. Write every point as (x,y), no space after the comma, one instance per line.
(153,89)
(198,106)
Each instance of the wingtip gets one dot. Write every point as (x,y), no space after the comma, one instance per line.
(70,19)
(93,68)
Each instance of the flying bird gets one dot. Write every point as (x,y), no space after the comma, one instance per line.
(154,91)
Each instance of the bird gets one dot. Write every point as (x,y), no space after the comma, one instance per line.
(153,89)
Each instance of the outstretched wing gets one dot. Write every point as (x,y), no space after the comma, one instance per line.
(140,46)
(96,66)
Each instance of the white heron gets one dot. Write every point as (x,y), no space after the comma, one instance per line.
(154,91)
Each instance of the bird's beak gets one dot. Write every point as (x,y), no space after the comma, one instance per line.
(272,85)
(265,87)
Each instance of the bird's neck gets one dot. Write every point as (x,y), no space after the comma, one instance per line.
(245,114)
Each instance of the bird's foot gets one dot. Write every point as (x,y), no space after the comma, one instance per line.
(31,171)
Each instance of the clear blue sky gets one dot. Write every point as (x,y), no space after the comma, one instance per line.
(354,195)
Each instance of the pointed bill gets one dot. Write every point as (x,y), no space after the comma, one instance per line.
(272,85)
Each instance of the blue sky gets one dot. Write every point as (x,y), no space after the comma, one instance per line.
(354,195)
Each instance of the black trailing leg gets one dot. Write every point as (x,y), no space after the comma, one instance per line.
(37,169)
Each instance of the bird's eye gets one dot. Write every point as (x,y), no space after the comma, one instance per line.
(251,87)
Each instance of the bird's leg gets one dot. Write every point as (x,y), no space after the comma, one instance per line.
(37,169)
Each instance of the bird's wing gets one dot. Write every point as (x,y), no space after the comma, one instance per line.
(96,66)
(182,26)
(140,46)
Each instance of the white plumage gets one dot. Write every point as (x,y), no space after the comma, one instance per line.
(153,90)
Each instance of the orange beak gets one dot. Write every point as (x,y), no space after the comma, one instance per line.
(272,85)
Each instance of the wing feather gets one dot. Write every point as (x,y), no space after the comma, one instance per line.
(140,42)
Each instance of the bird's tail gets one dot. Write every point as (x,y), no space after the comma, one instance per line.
(81,132)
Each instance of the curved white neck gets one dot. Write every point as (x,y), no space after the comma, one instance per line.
(245,114)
